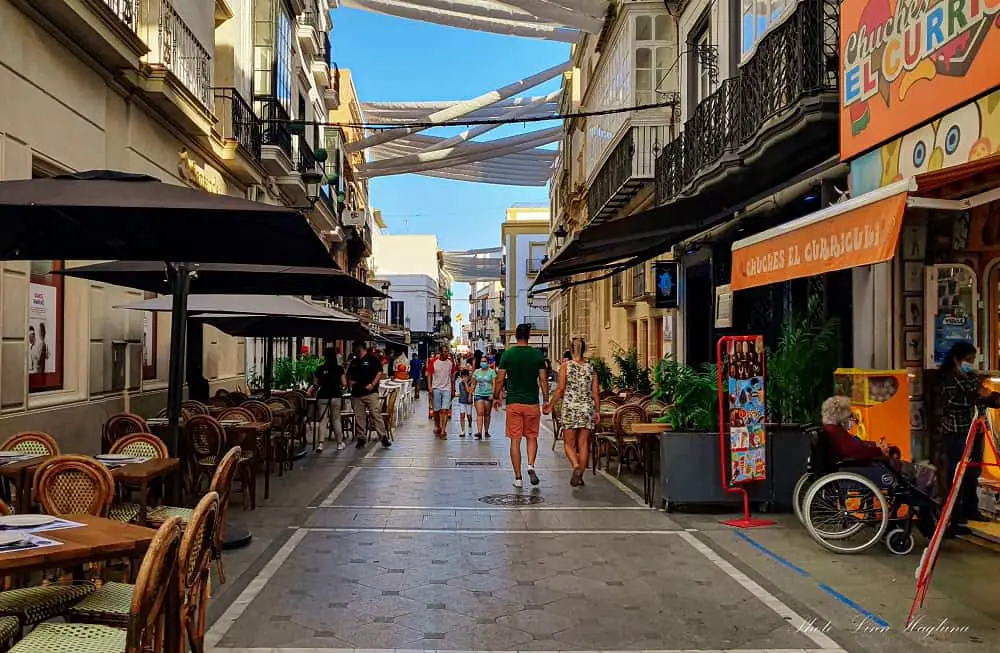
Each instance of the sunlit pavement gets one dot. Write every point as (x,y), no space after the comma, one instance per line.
(402,549)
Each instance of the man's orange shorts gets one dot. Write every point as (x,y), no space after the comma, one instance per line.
(523,420)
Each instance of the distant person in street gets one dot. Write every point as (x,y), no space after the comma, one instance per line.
(330,382)
(402,367)
(463,390)
(416,367)
(581,400)
(522,372)
(441,372)
(364,373)
(483,379)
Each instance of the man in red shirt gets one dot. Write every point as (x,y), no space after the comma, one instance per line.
(441,372)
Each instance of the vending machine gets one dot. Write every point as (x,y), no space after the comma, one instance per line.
(881,405)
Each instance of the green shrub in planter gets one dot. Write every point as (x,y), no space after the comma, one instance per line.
(605,378)
(692,394)
(632,375)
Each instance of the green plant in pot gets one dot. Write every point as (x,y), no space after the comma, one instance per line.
(605,378)
(800,368)
(632,375)
(691,394)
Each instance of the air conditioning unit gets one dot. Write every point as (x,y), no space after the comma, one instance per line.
(353,218)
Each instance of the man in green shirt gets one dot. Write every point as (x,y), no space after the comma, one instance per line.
(522,367)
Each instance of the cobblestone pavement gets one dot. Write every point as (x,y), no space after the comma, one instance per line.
(383,550)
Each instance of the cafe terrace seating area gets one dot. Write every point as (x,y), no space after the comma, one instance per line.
(115,552)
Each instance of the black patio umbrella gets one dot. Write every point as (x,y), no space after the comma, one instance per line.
(277,326)
(228,278)
(102,214)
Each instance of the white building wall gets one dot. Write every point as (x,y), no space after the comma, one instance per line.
(405,254)
(418,293)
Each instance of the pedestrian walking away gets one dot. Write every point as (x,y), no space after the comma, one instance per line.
(463,390)
(522,368)
(483,379)
(416,367)
(580,411)
(441,373)
(364,374)
(331,381)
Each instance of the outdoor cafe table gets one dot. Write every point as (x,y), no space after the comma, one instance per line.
(98,540)
(650,434)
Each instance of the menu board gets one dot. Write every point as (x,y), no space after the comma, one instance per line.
(747,437)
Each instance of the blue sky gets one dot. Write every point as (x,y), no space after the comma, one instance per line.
(394,59)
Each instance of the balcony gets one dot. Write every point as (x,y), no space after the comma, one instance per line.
(179,79)
(276,140)
(631,165)
(776,119)
(241,131)
(108,30)
(321,72)
(310,34)
(533,265)
(359,242)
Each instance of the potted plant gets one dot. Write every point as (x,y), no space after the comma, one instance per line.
(632,376)
(799,378)
(605,379)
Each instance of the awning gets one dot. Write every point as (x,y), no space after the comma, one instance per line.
(861,231)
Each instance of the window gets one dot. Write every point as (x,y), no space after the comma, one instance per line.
(263,47)
(703,65)
(654,57)
(45,327)
(757,18)
(283,60)
(396,313)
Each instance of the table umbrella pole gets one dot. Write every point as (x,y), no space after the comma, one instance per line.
(181,282)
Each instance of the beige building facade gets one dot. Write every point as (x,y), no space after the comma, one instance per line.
(524,236)
(167,89)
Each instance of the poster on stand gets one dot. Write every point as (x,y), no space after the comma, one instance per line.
(747,436)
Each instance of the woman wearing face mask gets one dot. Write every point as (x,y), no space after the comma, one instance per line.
(483,379)
(957,393)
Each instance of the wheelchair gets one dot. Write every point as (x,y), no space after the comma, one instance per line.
(848,505)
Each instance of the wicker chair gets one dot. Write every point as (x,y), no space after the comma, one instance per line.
(110,605)
(237,414)
(207,441)
(10,630)
(68,485)
(33,442)
(388,410)
(144,622)
(219,401)
(141,445)
(120,425)
(298,401)
(625,442)
(259,410)
(194,407)
(283,432)
(655,408)
(250,448)
(222,484)
(557,423)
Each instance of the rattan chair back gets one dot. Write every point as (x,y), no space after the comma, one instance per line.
(68,485)
(194,407)
(278,402)
(236,414)
(260,410)
(141,445)
(296,399)
(206,436)
(198,541)
(219,401)
(628,415)
(222,484)
(655,408)
(614,399)
(236,398)
(33,442)
(120,425)
(156,577)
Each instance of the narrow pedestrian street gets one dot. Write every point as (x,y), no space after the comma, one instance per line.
(420,548)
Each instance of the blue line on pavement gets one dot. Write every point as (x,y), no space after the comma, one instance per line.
(871,616)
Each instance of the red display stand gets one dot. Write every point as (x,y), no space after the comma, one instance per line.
(929,558)
(741,398)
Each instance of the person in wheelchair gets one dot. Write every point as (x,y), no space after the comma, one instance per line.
(838,420)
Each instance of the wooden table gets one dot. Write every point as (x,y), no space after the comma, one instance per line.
(237,434)
(99,540)
(140,475)
(650,434)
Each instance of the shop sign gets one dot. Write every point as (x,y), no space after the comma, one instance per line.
(204,177)
(905,62)
(865,235)
(724,307)
(665,276)
(969,133)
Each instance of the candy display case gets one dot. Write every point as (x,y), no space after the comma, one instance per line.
(881,405)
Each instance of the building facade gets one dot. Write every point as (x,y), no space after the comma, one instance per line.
(524,236)
(192,93)
(486,316)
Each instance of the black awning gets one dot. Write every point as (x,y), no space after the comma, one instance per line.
(281,326)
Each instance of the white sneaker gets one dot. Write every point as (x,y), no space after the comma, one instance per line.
(319,447)
(518,483)
(341,446)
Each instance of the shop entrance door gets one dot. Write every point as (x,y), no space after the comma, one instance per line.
(699,316)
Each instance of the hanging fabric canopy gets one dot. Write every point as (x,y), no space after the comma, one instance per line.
(473,265)
(554,20)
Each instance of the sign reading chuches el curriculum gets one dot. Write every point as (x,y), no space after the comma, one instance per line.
(906,62)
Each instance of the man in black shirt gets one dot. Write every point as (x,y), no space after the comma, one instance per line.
(331,381)
(364,373)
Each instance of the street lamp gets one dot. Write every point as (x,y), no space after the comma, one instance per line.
(312,180)
(560,233)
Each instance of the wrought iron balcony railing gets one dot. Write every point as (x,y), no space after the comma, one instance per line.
(275,121)
(238,121)
(306,160)
(174,46)
(797,60)
(127,11)
(632,161)
(309,18)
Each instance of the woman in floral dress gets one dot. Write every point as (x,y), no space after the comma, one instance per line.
(581,398)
